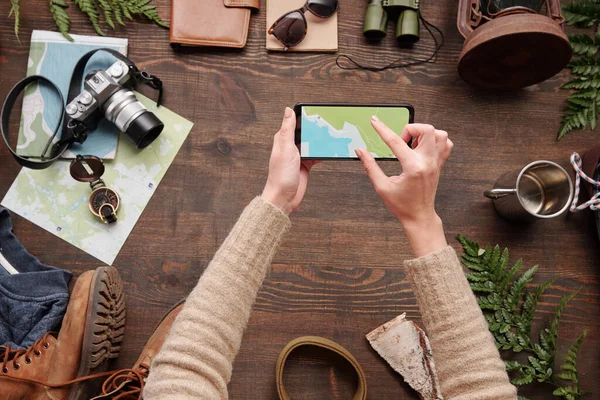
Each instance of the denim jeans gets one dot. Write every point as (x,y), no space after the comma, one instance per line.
(33,296)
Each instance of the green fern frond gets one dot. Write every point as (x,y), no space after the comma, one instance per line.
(60,16)
(116,8)
(15,11)
(582,14)
(529,307)
(107,10)
(143,8)
(553,331)
(568,370)
(509,307)
(585,66)
(582,105)
(583,83)
(583,45)
(89,7)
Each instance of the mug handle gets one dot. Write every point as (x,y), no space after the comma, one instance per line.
(496,194)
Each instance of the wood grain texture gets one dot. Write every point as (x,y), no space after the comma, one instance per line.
(339,271)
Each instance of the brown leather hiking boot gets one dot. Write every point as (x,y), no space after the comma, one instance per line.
(129,383)
(91,333)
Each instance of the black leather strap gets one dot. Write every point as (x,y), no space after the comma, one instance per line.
(42,161)
(72,131)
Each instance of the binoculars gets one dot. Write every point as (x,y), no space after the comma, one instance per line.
(407,27)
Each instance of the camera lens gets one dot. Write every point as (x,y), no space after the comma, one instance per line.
(129,115)
(144,129)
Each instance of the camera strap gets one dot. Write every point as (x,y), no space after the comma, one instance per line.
(71,130)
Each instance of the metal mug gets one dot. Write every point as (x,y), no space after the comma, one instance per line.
(542,189)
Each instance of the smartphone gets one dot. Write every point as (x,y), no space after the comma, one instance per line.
(334,131)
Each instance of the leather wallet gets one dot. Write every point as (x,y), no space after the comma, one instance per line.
(219,23)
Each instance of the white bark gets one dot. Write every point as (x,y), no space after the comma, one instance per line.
(406,348)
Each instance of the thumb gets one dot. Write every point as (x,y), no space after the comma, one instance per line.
(288,126)
(376,175)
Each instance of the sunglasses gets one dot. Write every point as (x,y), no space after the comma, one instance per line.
(290,29)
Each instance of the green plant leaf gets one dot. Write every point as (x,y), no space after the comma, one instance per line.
(15,11)
(583,45)
(582,105)
(582,14)
(61,18)
(90,9)
(509,305)
(522,380)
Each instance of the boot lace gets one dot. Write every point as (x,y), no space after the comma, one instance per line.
(7,354)
(125,384)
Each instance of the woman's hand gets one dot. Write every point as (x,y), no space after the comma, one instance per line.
(411,195)
(288,175)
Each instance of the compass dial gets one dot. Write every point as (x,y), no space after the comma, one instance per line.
(102,196)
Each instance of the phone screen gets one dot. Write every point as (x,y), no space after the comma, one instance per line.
(335,131)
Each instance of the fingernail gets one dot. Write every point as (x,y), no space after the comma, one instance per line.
(374,119)
(357,151)
(289,113)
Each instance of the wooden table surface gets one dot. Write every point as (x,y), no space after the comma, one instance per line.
(339,271)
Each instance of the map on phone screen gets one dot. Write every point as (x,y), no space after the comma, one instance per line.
(336,131)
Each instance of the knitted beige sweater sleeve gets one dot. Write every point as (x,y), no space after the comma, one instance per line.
(196,360)
(467,361)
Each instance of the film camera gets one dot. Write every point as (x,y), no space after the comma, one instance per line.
(107,94)
(406,13)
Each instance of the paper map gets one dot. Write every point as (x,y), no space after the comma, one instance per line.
(52,199)
(334,131)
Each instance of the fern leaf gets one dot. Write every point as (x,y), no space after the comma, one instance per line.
(106,9)
(499,296)
(89,7)
(512,366)
(529,307)
(585,94)
(585,66)
(592,115)
(508,277)
(568,370)
(522,380)
(568,392)
(516,290)
(114,5)
(15,11)
(583,45)
(549,336)
(143,8)
(582,83)
(61,18)
(581,14)
(470,247)
(574,118)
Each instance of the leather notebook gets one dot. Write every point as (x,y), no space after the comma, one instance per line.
(321,35)
(220,23)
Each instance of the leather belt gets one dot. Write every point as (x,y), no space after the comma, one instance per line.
(326,344)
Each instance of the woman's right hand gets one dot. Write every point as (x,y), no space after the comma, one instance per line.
(410,196)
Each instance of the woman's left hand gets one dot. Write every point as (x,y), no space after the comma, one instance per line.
(288,175)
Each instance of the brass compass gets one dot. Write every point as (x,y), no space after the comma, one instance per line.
(103,201)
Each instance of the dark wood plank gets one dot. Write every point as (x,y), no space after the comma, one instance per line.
(339,272)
